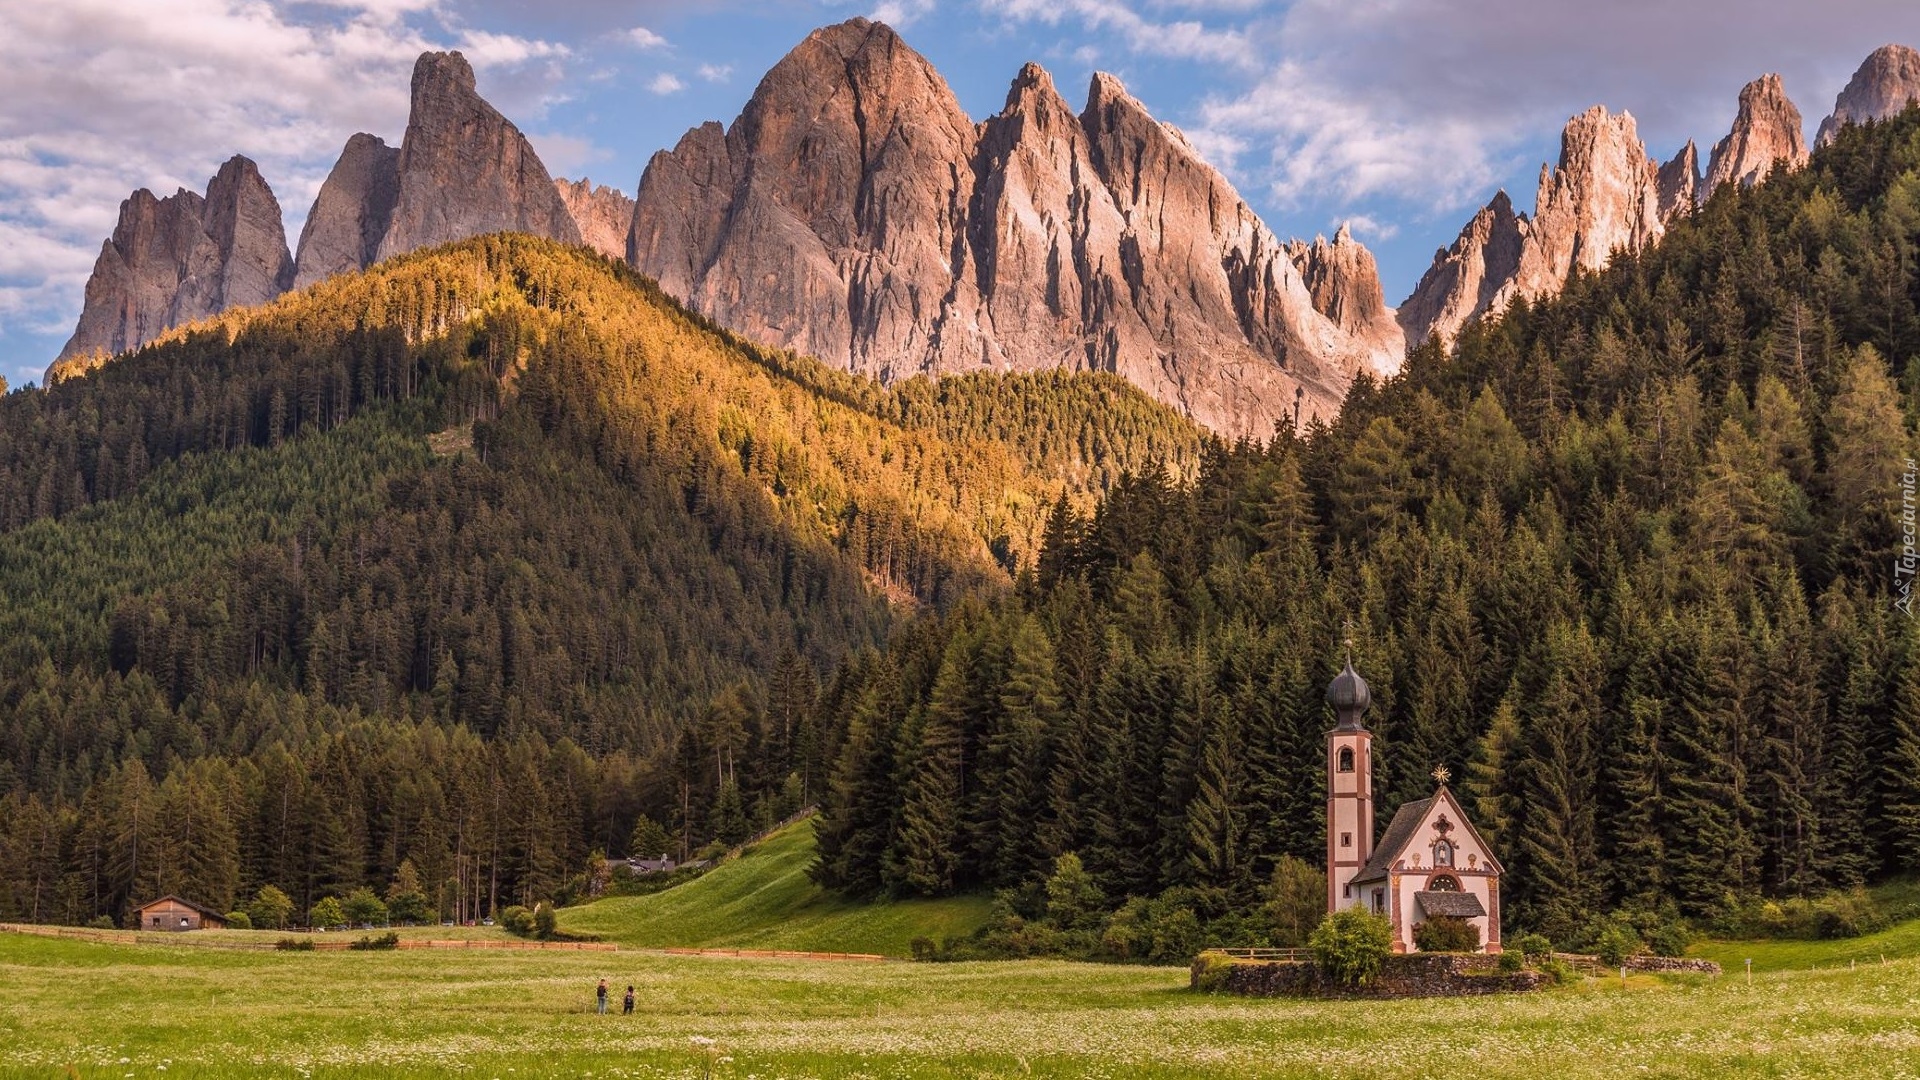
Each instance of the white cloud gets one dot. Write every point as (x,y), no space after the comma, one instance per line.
(1365,227)
(899,13)
(1183,39)
(646,39)
(666,83)
(716,73)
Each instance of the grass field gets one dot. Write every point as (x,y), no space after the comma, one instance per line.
(763,900)
(95,1010)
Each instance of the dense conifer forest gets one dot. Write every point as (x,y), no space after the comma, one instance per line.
(1624,562)
(494,557)
(469,562)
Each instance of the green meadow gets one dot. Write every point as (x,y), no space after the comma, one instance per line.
(80,1009)
(763,899)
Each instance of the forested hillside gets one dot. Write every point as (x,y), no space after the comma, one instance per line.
(467,562)
(1625,563)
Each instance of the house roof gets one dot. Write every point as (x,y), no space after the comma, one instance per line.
(1406,822)
(1460,905)
(203,909)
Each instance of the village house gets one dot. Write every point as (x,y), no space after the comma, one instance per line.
(173,913)
(1431,862)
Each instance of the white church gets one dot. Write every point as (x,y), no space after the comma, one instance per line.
(1431,860)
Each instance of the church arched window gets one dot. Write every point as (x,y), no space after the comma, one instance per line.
(1346,759)
(1443,883)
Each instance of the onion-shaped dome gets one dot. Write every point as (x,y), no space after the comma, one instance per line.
(1349,696)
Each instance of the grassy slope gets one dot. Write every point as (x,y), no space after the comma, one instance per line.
(1896,942)
(111,1011)
(764,900)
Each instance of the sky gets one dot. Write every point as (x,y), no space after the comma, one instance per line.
(1398,117)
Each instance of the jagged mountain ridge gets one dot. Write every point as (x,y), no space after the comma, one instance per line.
(854,212)
(1596,200)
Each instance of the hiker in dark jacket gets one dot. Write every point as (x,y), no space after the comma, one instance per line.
(602,995)
(626,1003)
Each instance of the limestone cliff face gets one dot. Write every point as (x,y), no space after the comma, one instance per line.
(1604,196)
(604,215)
(1344,282)
(1766,131)
(1465,278)
(465,170)
(1882,87)
(351,214)
(181,258)
(1680,182)
(854,212)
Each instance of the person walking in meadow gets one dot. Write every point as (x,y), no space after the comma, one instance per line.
(626,1003)
(602,995)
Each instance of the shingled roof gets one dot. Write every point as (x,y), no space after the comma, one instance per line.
(1399,831)
(1460,905)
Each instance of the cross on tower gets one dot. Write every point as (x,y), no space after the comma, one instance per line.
(1441,774)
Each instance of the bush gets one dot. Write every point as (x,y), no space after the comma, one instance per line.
(1210,971)
(1446,933)
(1616,943)
(101,922)
(1511,962)
(363,908)
(1558,972)
(270,908)
(1296,900)
(924,949)
(1533,946)
(1670,939)
(327,913)
(545,923)
(1351,945)
(388,940)
(1847,914)
(239,920)
(517,921)
(1074,901)
(294,944)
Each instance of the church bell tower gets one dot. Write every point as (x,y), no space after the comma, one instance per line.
(1349,786)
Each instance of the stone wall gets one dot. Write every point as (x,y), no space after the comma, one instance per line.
(1650,964)
(1419,975)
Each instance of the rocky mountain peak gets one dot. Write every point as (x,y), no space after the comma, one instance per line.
(853,211)
(185,257)
(604,215)
(1603,196)
(1679,183)
(1766,131)
(351,214)
(1882,87)
(465,170)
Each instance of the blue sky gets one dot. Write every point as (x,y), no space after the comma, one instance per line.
(1401,116)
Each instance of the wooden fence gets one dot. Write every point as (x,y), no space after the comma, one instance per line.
(1292,956)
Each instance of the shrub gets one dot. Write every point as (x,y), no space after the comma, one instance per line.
(239,920)
(1296,899)
(1074,902)
(1533,946)
(101,922)
(294,944)
(1446,933)
(924,949)
(1616,943)
(1511,962)
(545,923)
(270,908)
(1847,914)
(363,908)
(517,921)
(1351,945)
(1670,939)
(1210,970)
(388,940)
(1557,971)
(328,913)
